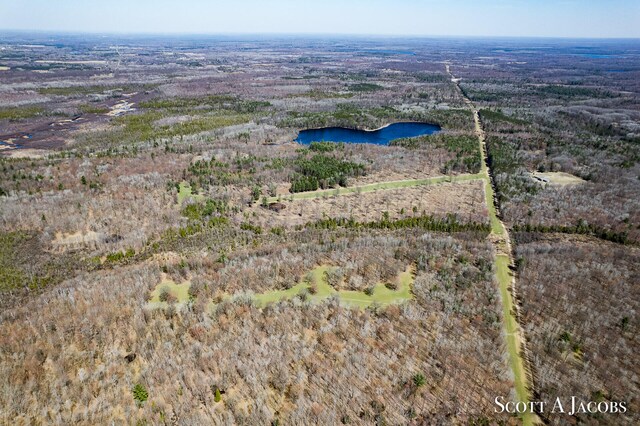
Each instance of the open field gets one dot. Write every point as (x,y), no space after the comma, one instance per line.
(556,178)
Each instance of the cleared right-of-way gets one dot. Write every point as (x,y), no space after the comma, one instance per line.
(504,266)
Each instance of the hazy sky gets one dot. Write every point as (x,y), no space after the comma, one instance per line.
(547,18)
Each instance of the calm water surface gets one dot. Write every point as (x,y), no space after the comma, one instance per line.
(379,137)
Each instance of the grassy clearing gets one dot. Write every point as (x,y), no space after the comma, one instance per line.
(496,225)
(169,291)
(557,178)
(185,192)
(504,277)
(381,295)
(511,328)
(373,187)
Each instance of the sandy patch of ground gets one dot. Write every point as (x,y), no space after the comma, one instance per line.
(466,199)
(556,178)
(121,108)
(75,240)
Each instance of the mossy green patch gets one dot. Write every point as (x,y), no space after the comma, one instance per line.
(185,192)
(171,291)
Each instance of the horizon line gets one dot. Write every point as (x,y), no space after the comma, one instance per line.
(309,34)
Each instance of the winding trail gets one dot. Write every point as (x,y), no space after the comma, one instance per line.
(500,239)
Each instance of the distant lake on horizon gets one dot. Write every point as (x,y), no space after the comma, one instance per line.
(378,137)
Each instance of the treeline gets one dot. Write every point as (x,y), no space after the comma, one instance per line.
(498,116)
(354,116)
(569,92)
(323,171)
(507,168)
(448,223)
(365,87)
(214,102)
(203,173)
(209,214)
(581,228)
(325,146)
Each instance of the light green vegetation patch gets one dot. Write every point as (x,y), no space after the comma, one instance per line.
(496,225)
(503,274)
(381,294)
(375,187)
(170,291)
(185,192)
(21,113)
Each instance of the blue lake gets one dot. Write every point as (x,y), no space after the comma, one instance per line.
(378,137)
